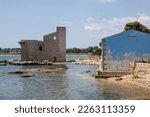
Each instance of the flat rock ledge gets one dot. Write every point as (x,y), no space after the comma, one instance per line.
(22,73)
(27,75)
(16,62)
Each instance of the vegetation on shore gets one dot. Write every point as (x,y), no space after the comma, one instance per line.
(93,50)
(10,51)
(71,51)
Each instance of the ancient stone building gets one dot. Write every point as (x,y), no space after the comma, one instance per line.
(52,48)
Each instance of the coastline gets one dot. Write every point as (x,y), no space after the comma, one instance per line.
(140,83)
(127,81)
(125,87)
(75,54)
(10,55)
(140,75)
(139,78)
(67,54)
(87,62)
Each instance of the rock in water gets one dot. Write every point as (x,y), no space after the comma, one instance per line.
(28,75)
(118,79)
(2,64)
(87,71)
(17,72)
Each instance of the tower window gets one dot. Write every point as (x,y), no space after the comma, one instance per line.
(23,43)
(40,48)
(54,38)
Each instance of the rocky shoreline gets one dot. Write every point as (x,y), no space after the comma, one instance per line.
(140,77)
(16,62)
(35,71)
(87,62)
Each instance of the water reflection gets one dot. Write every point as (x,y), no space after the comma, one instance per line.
(72,83)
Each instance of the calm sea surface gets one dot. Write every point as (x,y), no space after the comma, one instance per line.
(71,83)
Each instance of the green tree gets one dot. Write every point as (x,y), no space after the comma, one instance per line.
(137,26)
(90,49)
(97,52)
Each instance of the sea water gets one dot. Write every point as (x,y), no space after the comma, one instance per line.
(74,83)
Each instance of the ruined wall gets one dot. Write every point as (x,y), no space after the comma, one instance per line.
(53,48)
(50,46)
(61,34)
(55,45)
(140,70)
(29,50)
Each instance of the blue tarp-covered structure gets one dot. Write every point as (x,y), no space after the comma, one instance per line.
(121,49)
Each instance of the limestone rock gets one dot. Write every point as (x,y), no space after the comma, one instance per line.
(118,79)
(28,75)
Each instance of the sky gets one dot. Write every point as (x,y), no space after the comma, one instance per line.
(87,21)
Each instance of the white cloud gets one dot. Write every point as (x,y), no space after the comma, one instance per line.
(106,0)
(144,19)
(107,27)
(90,19)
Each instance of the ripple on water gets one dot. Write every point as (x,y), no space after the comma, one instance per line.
(71,83)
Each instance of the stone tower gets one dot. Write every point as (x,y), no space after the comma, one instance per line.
(53,48)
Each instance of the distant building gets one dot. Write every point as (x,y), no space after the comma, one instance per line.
(52,48)
(119,50)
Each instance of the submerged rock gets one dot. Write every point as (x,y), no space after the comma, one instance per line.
(28,75)
(22,73)
(2,64)
(87,71)
(71,61)
(17,72)
(53,68)
(118,79)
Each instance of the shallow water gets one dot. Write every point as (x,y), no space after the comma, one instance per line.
(63,84)
(71,83)
(18,57)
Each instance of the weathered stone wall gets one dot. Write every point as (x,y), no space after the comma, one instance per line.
(29,50)
(140,70)
(53,48)
(50,46)
(61,35)
(96,58)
